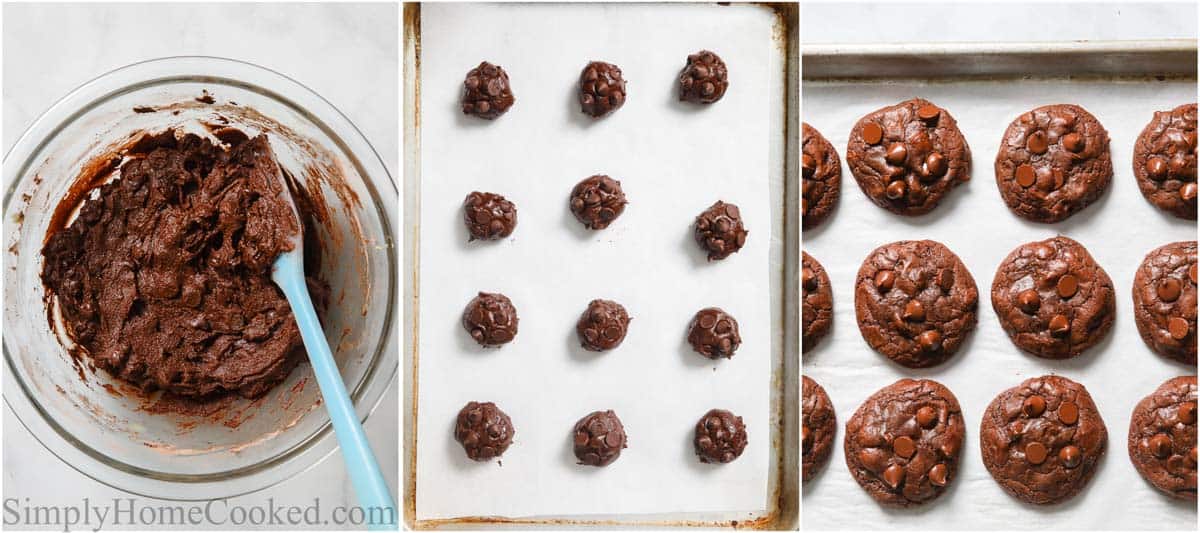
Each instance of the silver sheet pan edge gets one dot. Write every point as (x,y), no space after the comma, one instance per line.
(1164,57)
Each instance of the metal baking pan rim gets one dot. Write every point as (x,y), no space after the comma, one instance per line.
(1173,58)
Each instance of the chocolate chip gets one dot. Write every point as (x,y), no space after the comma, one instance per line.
(928,112)
(884,280)
(1029,301)
(1187,413)
(1068,413)
(1156,168)
(1160,445)
(1178,328)
(914,311)
(1026,176)
(872,133)
(937,475)
(894,476)
(1035,453)
(1067,286)
(935,165)
(896,190)
(1188,192)
(1060,325)
(1070,456)
(904,447)
(930,341)
(1033,406)
(1037,142)
(926,417)
(1169,290)
(896,154)
(1073,142)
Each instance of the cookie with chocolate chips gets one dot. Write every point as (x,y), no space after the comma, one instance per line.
(822,177)
(602,326)
(484,431)
(719,230)
(1042,439)
(1162,437)
(713,333)
(489,216)
(902,444)
(1053,162)
(1164,300)
(915,302)
(1164,161)
(818,425)
(704,80)
(597,201)
(908,156)
(817,310)
(601,89)
(490,319)
(720,437)
(486,92)
(599,438)
(1052,298)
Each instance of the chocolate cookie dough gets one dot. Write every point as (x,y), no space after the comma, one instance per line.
(1052,298)
(720,437)
(164,279)
(491,319)
(484,431)
(1164,300)
(719,230)
(818,425)
(597,201)
(713,333)
(602,326)
(907,157)
(704,79)
(599,438)
(601,89)
(1162,437)
(822,177)
(817,310)
(1053,162)
(1164,161)
(489,216)
(915,302)
(486,92)
(1042,439)
(902,444)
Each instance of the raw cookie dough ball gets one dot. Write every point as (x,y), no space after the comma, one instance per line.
(601,89)
(704,79)
(719,230)
(597,201)
(491,319)
(483,430)
(602,326)
(713,333)
(599,438)
(489,216)
(486,92)
(720,437)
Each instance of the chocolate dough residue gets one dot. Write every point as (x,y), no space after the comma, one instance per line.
(164,277)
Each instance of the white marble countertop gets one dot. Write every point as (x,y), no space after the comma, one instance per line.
(345,52)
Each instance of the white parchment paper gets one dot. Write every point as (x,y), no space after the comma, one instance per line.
(673,160)
(1119,229)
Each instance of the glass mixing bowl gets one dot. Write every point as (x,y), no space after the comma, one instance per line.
(101,426)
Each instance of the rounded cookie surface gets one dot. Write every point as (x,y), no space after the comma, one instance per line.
(1164,300)
(1162,437)
(489,216)
(597,201)
(601,89)
(490,319)
(1053,162)
(902,444)
(720,437)
(1042,439)
(713,333)
(486,92)
(719,230)
(818,425)
(1052,298)
(817,310)
(907,157)
(599,438)
(484,431)
(822,169)
(1164,161)
(704,79)
(915,302)
(602,326)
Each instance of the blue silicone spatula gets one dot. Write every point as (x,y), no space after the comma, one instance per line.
(372,490)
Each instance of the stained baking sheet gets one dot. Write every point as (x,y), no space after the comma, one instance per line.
(1118,230)
(673,160)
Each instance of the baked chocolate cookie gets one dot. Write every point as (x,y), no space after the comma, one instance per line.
(822,177)
(1164,300)
(902,444)
(915,302)
(599,438)
(1042,439)
(1053,162)
(906,157)
(484,431)
(817,310)
(1052,298)
(818,425)
(490,319)
(602,325)
(1164,161)
(720,437)
(1162,437)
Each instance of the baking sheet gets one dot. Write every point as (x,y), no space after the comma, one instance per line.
(673,160)
(1118,230)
